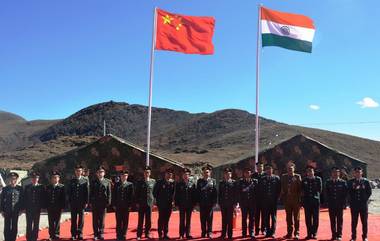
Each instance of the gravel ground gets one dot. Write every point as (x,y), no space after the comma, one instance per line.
(22,223)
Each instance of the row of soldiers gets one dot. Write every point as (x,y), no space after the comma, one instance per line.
(257,195)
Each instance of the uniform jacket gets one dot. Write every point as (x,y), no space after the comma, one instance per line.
(11,199)
(55,196)
(247,192)
(227,194)
(123,194)
(34,196)
(185,194)
(336,193)
(291,189)
(206,192)
(359,192)
(270,188)
(163,192)
(311,190)
(144,192)
(100,193)
(78,192)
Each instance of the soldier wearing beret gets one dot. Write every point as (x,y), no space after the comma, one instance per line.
(227,202)
(145,200)
(100,199)
(78,192)
(207,195)
(185,199)
(163,192)
(311,194)
(55,203)
(270,189)
(291,189)
(11,206)
(247,193)
(359,191)
(122,199)
(336,192)
(34,202)
(259,214)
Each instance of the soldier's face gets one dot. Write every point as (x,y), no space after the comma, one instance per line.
(168,175)
(147,173)
(100,173)
(206,173)
(310,172)
(78,172)
(35,180)
(269,171)
(358,173)
(13,181)
(247,174)
(186,176)
(227,175)
(54,179)
(335,174)
(260,168)
(124,177)
(291,169)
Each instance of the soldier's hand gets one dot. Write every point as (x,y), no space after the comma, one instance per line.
(86,205)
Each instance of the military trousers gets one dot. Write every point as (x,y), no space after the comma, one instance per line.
(227,220)
(270,217)
(292,210)
(10,225)
(247,213)
(259,217)
(77,214)
(363,213)
(185,221)
(206,216)
(54,218)
(144,212)
(164,214)
(336,220)
(122,220)
(312,217)
(32,223)
(98,215)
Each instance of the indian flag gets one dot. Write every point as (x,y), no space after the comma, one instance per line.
(286,30)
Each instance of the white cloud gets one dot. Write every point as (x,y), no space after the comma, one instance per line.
(368,102)
(314,107)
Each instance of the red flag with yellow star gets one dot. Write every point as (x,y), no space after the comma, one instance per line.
(186,34)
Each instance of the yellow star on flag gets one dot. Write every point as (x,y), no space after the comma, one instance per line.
(167,19)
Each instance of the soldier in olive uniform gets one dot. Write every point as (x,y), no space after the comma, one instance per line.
(78,192)
(34,202)
(163,192)
(311,193)
(270,189)
(11,206)
(227,202)
(291,190)
(359,191)
(336,192)
(247,193)
(259,214)
(55,203)
(207,197)
(122,199)
(100,199)
(144,200)
(185,199)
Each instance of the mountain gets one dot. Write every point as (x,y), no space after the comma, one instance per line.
(215,137)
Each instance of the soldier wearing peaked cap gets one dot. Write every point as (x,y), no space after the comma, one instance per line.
(144,200)
(359,191)
(227,202)
(78,192)
(163,192)
(55,203)
(336,192)
(100,199)
(34,202)
(11,206)
(259,214)
(247,193)
(122,198)
(207,196)
(185,199)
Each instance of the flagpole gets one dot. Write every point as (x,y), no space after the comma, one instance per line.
(258,50)
(151,85)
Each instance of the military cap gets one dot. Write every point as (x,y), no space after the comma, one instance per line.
(100,168)
(124,172)
(186,170)
(227,169)
(247,169)
(358,169)
(309,167)
(169,170)
(13,174)
(259,163)
(79,166)
(268,165)
(335,168)
(206,168)
(55,173)
(147,168)
(34,174)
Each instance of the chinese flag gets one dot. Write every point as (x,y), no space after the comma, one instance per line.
(185,34)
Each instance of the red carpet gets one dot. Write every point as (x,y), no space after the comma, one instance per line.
(324,227)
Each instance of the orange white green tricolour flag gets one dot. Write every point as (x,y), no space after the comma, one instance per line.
(286,30)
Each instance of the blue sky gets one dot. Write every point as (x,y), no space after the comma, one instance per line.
(57,57)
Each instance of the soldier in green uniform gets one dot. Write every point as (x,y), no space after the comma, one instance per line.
(122,199)
(100,199)
(311,193)
(163,192)
(270,189)
(33,199)
(259,214)
(336,192)
(227,202)
(207,196)
(291,190)
(359,191)
(247,193)
(78,192)
(185,199)
(11,206)
(55,203)
(145,200)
